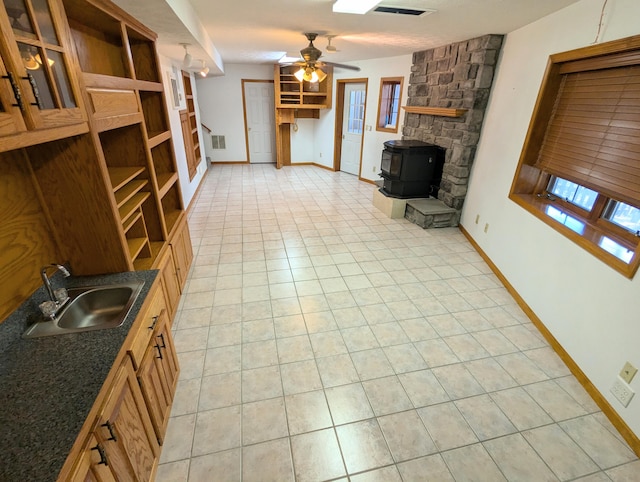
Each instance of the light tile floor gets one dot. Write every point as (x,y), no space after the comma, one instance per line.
(320,340)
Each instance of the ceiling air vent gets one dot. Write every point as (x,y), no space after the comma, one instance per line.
(402,11)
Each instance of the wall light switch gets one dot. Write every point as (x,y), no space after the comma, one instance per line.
(628,372)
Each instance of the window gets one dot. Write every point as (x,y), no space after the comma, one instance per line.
(389,103)
(579,170)
(355,122)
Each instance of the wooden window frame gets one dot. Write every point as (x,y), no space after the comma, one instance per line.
(529,187)
(384,104)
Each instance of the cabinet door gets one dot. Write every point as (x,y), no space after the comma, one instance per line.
(35,49)
(124,430)
(158,376)
(93,464)
(170,282)
(182,252)
(11,120)
(169,358)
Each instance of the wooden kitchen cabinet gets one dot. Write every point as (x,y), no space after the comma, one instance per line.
(182,251)
(170,283)
(93,464)
(158,375)
(39,96)
(125,430)
(128,421)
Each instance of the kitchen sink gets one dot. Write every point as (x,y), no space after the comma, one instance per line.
(90,308)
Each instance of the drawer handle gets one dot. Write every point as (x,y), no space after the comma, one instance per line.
(153,323)
(110,428)
(161,336)
(103,455)
(159,352)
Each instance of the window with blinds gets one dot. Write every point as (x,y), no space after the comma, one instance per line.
(581,158)
(594,134)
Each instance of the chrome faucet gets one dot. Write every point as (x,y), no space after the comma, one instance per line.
(47,282)
(58,298)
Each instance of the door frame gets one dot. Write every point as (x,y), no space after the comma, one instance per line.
(244,115)
(337,137)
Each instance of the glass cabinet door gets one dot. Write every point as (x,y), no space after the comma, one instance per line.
(37,59)
(11,120)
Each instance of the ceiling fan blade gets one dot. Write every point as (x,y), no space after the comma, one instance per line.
(342,66)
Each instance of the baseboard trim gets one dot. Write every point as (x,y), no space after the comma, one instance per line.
(632,439)
(222,163)
(313,164)
(195,194)
(369,181)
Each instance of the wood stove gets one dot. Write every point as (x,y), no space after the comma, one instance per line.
(411,168)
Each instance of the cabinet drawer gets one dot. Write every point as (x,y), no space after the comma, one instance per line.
(112,108)
(109,103)
(145,324)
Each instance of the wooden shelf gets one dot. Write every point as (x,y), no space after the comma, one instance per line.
(126,226)
(171,218)
(120,176)
(438,111)
(132,205)
(135,246)
(159,138)
(127,191)
(141,264)
(165,181)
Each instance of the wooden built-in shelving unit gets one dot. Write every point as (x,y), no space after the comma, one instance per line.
(290,93)
(119,68)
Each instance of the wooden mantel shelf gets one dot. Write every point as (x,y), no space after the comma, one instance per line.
(441,111)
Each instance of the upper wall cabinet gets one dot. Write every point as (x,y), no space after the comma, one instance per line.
(38,92)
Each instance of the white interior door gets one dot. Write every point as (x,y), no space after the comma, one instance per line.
(260,115)
(352,127)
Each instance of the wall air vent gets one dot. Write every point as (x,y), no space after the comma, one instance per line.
(402,11)
(217,142)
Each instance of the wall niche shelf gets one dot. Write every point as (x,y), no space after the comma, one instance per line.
(439,111)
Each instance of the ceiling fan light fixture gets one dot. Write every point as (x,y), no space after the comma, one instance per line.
(320,74)
(359,7)
(300,74)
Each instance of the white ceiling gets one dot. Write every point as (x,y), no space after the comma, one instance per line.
(262,31)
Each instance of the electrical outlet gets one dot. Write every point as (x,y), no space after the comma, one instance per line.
(622,392)
(477,218)
(628,372)
(373,168)
(486,227)
(321,154)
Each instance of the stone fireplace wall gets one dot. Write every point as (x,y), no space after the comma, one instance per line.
(455,76)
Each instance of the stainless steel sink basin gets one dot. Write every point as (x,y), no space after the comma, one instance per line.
(90,308)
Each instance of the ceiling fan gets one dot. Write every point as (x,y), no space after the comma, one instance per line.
(311,66)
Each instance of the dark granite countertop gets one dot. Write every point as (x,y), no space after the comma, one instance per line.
(48,385)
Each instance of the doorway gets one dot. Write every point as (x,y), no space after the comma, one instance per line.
(350,116)
(259,120)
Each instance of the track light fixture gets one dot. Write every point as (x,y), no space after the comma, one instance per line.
(186,62)
(205,70)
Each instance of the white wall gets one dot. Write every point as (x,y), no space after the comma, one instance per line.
(221,108)
(187,186)
(590,308)
(373,71)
